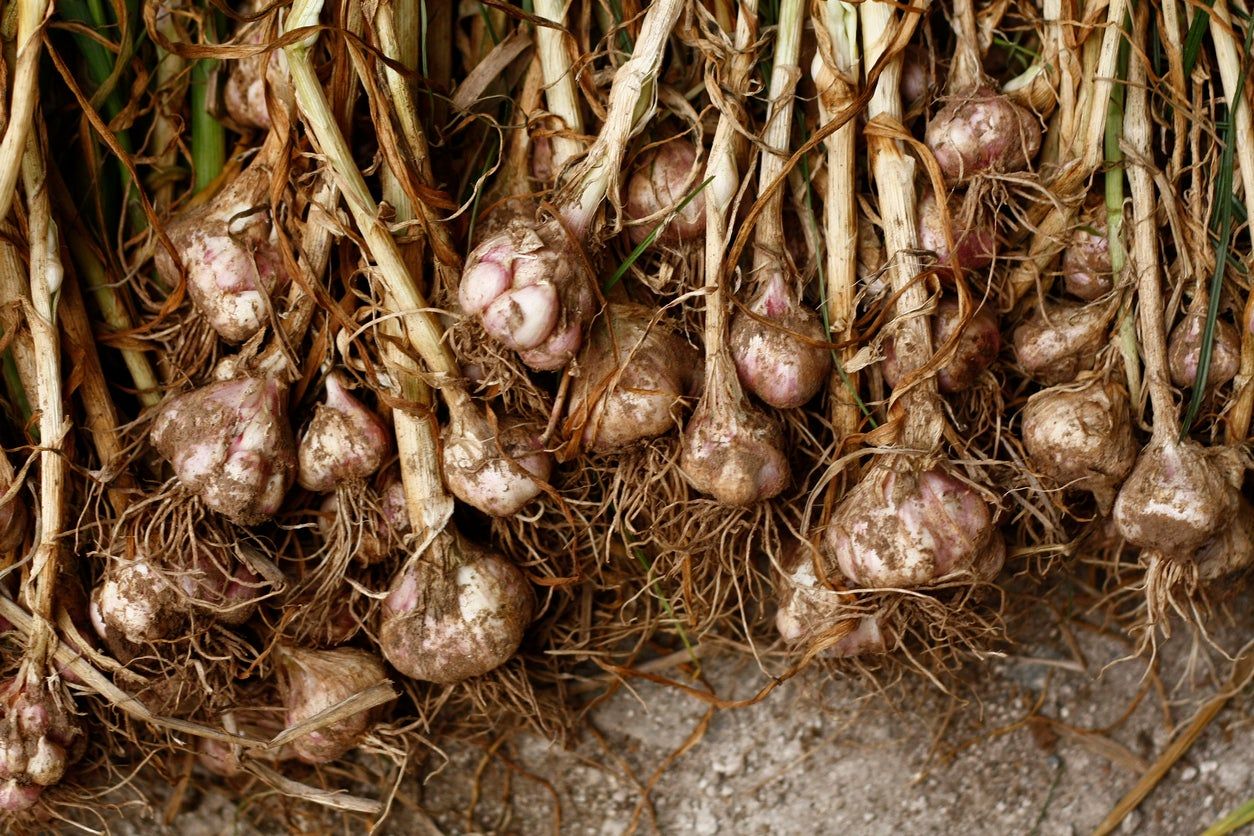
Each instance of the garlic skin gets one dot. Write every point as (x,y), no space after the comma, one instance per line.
(1060,340)
(731,450)
(786,361)
(455,612)
(244,94)
(231,444)
(39,739)
(496,474)
(312,681)
(661,180)
(976,349)
(1086,269)
(974,234)
(634,375)
(135,605)
(808,610)
(531,289)
(345,442)
(230,249)
(1178,496)
(1184,349)
(902,528)
(982,132)
(1081,439)
(1232,549)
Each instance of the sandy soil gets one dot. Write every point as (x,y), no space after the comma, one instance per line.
(824,756)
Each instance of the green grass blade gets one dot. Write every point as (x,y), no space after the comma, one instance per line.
(1241,817)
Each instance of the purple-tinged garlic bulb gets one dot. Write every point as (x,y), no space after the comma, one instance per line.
(224,587)
(454,612)
(980,131)
(230,444)
(977,347)
(39,739)
(1184,350)
(1179,495)
(312,681)
(974,232)
(634,374)
(785,360)
(902,527)
(345,442)
(1060,340)
(1081,438)
(731,450)
(662,179)
(1087,273)
(230,250)
(134,605)
(531,289)
(498,474)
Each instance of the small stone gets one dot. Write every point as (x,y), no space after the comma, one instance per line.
(1189,773)
(1207,767)
(1132,823)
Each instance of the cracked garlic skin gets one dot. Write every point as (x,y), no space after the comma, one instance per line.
(785,360)
(230,444)
(1178,495)
(230,249)
(1060,340)
(39,739)
(903,528)
(982,132)
(312,681)
(661,180)
(456,612)
(498,474)
(731,450)
(345,442)
(1081,439)
(531,290)
(634,376)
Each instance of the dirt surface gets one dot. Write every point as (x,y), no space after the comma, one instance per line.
(823,756)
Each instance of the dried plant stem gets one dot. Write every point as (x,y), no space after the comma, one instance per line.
(14,287)
(1228,50)
(165,133)
(631,104)
(560,93)
(46,274)
(1050,235)
(1136,133)
(417,434)
(836,71)
(421,327)
(30,19)
(769,234)
(724,179)
(893,171)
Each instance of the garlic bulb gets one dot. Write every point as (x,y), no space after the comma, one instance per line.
(974,233)
(981,131)
(498,474)
(1060,340)
(39,739)
(660,182)
(1184,350)
(976,349)
(1081,438)
(230,443)
(134,605)
(902,527)
(634,375)
(313,681)
(454,612)
(785,360)
(345,442)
